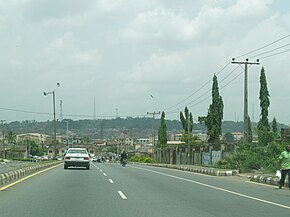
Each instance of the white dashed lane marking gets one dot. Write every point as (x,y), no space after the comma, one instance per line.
(111,181)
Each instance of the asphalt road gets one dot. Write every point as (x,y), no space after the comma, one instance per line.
(110,190)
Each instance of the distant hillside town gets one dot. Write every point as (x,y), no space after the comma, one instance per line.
(108,138)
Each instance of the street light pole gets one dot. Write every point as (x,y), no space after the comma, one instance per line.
(54,122)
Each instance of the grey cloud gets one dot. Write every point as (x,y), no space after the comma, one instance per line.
(37,11)
(121,52)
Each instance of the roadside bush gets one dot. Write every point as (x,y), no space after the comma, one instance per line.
(253,156)
(141,159)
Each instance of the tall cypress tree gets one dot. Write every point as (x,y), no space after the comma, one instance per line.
(264,97)
(162,132)
(250,133)
(274,126)
(213,120)
(187,124)
(185,118)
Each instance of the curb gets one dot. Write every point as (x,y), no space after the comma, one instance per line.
(267,179)
(6,178)
(203,170)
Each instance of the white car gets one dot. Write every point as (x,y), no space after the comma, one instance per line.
(77,157)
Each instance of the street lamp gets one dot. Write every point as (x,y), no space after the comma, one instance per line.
(53,101)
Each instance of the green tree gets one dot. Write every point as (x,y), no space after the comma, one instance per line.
(264,96)
(11,137)
(213,120)
(162,132)
(264,134)
(250,132)
(274,126)
(187,125)
(34,148)
(186,120)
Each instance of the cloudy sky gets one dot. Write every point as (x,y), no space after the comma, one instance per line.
(139,56)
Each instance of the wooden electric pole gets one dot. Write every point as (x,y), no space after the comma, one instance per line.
(246,119)
(153,129)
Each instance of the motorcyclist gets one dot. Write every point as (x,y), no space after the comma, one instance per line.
(123,157)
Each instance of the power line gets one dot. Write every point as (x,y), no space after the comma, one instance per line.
(229,74)
(68,115)
(220,88)
(267,45)
(275,54)
(177,111)
(269,51)
(197,89)
(25,111)
(188,104)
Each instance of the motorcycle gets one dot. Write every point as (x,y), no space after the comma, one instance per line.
(123,162)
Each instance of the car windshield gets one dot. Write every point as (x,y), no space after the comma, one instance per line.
(77,151)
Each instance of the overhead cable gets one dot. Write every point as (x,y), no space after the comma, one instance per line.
(267,45)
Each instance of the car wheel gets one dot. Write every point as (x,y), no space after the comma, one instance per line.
(65,167)
(88,167)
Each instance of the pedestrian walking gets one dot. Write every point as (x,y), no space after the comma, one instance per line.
(285,167)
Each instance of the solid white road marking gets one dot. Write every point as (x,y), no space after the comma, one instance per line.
(111,181)
(214,187)
(122,195)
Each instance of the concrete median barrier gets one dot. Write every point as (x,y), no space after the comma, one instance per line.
(8,177)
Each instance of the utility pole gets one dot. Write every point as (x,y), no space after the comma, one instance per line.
(246,63)
(3,138)
(67,143)
(95,118)
(153,128)
(188,142)
(61,115)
